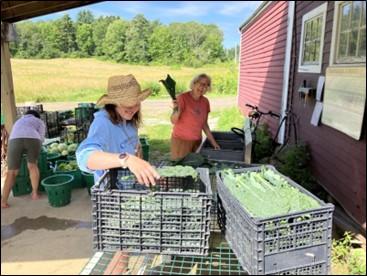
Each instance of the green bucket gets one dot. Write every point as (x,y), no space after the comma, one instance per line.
(58,188)
(88,179)
(71,157)
(53,157)
(77,182)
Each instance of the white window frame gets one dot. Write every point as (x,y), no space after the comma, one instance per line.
(334,42)
(313,68)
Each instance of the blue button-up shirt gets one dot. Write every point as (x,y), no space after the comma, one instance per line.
(105,136)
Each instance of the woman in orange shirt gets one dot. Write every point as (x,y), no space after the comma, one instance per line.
(190,118)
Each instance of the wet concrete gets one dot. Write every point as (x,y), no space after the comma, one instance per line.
(43,222)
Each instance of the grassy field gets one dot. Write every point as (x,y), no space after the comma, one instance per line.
(86,79)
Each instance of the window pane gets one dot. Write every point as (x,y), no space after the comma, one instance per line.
(363,21)
(306,55)
(356,13)
(307,31)
(312,51)
(352,49)
(319,27)
(362,43)
(317,51)
(314,29)
(344,20)
(343,45)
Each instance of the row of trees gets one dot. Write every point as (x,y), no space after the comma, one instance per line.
(135,41)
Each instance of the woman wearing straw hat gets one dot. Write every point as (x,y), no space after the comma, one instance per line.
(113,137)
(190,118)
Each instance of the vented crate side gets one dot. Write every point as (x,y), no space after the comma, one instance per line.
(298,242)
(169,221)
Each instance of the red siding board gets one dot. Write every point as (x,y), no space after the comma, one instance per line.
(338,161)
(262,60)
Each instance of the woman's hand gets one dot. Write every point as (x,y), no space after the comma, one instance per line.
(138,151)
(143,171)
(174,105)
(216,146)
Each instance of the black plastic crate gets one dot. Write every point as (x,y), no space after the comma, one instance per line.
(51,120)
(172,219)
(64,115)
(296,243)
(232,147)
(21,110)
(83,116)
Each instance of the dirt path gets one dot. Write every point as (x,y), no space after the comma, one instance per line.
(150,106)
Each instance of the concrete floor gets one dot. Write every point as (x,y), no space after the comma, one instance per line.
(39,239)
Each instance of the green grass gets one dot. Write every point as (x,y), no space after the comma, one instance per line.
(228,118)
(53,80)
(159,141)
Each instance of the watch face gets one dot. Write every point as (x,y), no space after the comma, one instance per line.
(122,155)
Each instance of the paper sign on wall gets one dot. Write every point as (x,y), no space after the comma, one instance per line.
(316,115)
(344,99)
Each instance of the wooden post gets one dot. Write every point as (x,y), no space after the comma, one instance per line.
(7,89)
(248,141)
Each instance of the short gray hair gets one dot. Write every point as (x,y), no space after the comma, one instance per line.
(198,78)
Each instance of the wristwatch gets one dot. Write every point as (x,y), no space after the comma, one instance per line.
(123,158)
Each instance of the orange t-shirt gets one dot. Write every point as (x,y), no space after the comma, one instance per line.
(194,114)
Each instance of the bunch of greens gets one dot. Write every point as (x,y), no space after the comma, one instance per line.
(177,171)
(266,193)
(170,86)
(67,166)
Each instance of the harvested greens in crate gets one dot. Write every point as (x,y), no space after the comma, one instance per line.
(273,225)
(172,217)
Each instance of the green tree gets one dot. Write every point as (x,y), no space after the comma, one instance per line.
(137,37)
(29,40)
(114,42)
(84,17)
(65,34)
(179,45)
(84,39)
(99,32)
(160,45)
(48,33)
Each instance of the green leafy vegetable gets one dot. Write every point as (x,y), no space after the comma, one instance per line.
(170,86)
(266,193)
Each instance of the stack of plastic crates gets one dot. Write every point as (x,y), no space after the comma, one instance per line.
(22,185)
(51,120)
(84,118)
(297,243)
(171,218)
(21,110)
(231,147)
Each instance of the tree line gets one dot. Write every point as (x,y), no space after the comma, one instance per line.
(137,41)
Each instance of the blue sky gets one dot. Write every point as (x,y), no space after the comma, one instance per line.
(227,15)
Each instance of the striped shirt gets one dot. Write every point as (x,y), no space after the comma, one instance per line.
(28,126)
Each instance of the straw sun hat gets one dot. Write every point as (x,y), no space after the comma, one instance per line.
(123,90)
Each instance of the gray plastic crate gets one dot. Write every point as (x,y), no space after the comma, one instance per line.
(175,219)
(296,243)
(232,147)
(217,165)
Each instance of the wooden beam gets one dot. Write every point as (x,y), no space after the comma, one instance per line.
(7,88)
(38,8)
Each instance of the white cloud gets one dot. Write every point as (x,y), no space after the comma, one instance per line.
(166,9)
(233,7)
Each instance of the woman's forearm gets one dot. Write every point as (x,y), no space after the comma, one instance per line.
(100,160)
(209,134)
(175,116)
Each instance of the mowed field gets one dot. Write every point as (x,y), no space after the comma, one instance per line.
(55,80)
